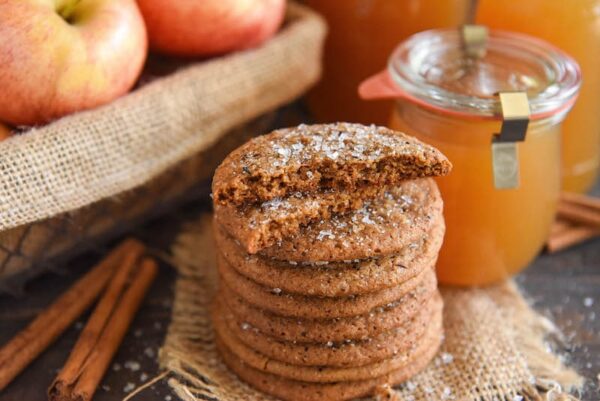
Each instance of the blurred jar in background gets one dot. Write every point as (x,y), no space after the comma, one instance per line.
(498,204)
(362,34)
(573,26)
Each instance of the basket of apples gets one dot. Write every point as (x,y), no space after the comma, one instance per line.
(112,110)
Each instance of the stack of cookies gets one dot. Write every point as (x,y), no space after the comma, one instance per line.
(327,240)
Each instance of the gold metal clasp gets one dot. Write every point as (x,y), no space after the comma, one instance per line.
(505,156)
(474,40)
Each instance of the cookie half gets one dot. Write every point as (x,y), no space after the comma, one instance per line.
(315,158)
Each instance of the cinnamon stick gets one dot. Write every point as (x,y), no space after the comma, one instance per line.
(54,320)
(581,200)
(96,324)
(578,220)
(114,332)
(559,226)
(579,214)
(571,236)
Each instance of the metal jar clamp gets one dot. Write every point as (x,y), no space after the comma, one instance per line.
(505,155)
(515,116)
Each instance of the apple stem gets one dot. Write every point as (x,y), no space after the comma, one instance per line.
(68,9)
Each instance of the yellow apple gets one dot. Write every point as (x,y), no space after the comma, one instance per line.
(62,56)
(207,27)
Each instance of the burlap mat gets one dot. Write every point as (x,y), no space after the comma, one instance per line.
(494,345)
(100,153)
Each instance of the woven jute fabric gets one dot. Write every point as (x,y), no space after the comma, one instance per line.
(493,349)
(89,156)
(28,250)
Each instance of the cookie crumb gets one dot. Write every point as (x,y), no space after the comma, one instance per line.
(385,392)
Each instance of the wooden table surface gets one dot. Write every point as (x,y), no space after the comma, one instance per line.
(564,286)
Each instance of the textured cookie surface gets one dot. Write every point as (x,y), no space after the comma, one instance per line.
(331,353)
(292,390)
(312,158)
(335,279)
(381,227)
(313,307)
(331,374)
(258,226)
(359,327)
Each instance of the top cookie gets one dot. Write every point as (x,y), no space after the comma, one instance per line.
(322,157)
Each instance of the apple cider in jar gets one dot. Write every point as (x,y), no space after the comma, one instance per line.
(362,34)
(501,196)
(573,26)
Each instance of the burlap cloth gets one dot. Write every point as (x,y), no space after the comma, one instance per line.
(494,346)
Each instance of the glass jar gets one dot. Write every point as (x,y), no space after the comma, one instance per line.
(573,26)
(450,100)
(362,34)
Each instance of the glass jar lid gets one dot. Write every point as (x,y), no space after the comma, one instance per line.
(433,69)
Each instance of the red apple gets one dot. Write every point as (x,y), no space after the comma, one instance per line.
(208,27)
(61,56)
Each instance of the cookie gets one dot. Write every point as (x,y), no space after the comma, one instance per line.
(262,225)
(292,390)
(330,374)
(334,279)
(344,353)
(313,158)
(303,306)
(383,226)
(360,327)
